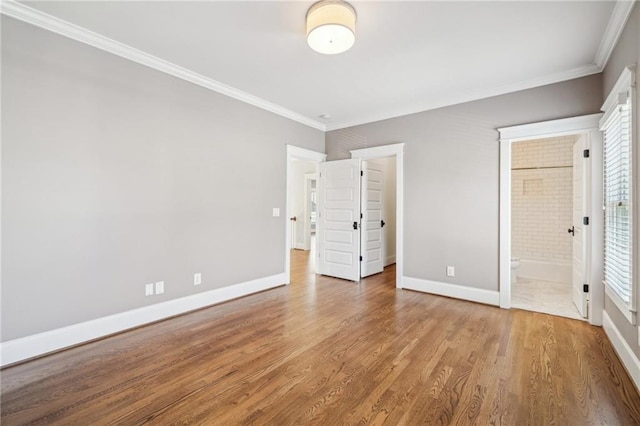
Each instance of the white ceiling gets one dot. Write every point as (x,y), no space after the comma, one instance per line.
(408,56)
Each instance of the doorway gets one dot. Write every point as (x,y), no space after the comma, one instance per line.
(393,153)
(310,210)
(547,235)
(586,127)
(389,153)
(302,165)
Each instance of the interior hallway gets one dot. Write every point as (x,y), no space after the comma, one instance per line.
(328,351)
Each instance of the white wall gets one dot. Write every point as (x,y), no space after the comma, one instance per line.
(388,166)
(542,199)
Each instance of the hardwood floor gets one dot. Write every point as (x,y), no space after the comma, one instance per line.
(327,351)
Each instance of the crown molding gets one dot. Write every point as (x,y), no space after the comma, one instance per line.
(12,8)
(619,16)
(40,19)
(471,96)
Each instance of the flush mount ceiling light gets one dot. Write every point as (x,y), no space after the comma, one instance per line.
(331,26)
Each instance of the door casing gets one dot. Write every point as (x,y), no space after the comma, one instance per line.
(301,154)
(586,124)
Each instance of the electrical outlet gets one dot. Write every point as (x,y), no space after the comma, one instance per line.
(276,212)
(148,289)
(197,279)
(160,287)
(451,271)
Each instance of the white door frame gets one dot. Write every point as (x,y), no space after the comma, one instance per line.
(300,154)
(587,124)
(397,151)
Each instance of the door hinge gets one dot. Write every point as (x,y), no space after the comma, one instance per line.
(360,258)
(360,215)
(585,288)
(585,153)
(361,173)
(585,220)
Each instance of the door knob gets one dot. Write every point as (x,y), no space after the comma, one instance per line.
(572,231)
(293,219)
(382,224)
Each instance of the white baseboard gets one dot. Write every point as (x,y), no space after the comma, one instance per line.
(390,260)
(38,344)
(298,246)
(456,291)
(622,348)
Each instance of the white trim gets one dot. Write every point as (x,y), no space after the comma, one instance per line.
(504,261)
(596,216)
(617,21)
(563,126)
(24,348)
(377,151)
(301,154)
(40,19)
(625,82)
(479,295)
(306,154)
(391,150)
(298,245)
(468,97)
(584,124)
(389,260)
(622,348)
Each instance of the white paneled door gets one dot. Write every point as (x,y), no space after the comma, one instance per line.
(371,235)
(580,263)
(338,221)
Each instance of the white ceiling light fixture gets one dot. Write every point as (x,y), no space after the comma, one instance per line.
(331,26)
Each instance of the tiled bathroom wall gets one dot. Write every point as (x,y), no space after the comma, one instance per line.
(542,199)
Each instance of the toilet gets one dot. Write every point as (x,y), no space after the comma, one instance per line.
(515,264)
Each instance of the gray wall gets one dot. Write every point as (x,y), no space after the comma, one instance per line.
(115,175)
(626,52)
(452,174)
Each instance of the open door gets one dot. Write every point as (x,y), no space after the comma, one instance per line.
(580,229)
(338,221)
(372,222)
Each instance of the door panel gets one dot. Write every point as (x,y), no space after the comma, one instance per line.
(338,210)
(581,232)
(372,207)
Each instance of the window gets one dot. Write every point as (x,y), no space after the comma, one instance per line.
(618,188)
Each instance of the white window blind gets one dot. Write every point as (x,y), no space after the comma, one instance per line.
(617,199)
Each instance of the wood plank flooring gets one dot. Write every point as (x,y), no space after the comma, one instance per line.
(326,351)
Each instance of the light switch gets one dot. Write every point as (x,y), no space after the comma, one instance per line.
(276,212)
(160,287)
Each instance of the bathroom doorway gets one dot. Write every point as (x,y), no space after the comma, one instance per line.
(542,225)
(591,279)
